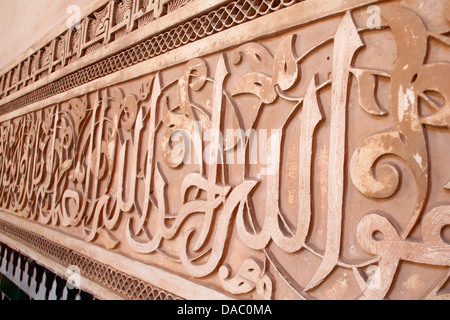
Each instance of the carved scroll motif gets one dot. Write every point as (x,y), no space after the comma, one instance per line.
(250,277)
(102,166)
(409,143)
(391,248)
(347,42)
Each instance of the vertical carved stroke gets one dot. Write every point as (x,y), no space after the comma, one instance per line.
(285,74)
(346,42)
(408,141)
(216,120)
(311,117)
(93,163)
(147,208)
(50,167)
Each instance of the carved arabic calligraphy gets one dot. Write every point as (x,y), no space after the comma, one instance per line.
(99,165)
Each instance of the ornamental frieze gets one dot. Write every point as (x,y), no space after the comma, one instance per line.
(309,163)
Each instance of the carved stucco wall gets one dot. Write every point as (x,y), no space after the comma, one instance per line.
(25,22)
(318,150)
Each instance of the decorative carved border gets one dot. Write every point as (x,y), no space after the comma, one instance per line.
(109,21)
(117,281)
(225,17)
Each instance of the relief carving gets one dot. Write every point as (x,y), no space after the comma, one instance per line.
(106,166)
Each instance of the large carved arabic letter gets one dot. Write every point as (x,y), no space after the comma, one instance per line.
(408,142)
(412,53)
(259,240)
(311,117)
(24,177)
(236,198)
(285,74)
(198,70)
(389,251)
(215,147)
(82,174)
(152,242)
(346,42)
(127,202)
(92,217)
(152,109)
(50,167)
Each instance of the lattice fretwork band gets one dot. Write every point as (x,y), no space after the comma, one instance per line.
(223,18)
(119,282)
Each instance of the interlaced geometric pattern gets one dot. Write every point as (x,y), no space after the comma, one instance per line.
(28,280)
(176,4)
(223,18)
(127,286)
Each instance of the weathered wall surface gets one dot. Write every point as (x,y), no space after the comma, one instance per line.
(258,150)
